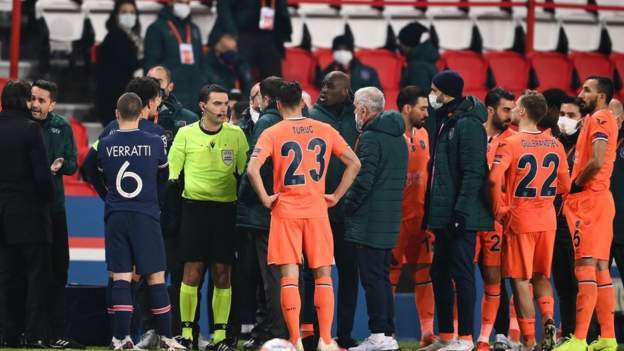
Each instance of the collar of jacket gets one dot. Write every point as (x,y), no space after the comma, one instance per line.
(16,114)
(172,104)
(347,109)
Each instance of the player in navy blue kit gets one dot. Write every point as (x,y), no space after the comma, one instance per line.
(134,166)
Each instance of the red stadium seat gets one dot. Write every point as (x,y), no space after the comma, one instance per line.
(591,63)
(324,57)
(553,70)
(618,63)
(472,67)
(81,138)
(391,98)
(299,65)
(74,186)
(510,69)
(3,82)
(389,66)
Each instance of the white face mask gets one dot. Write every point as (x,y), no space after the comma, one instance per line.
(127,20)
(343,57)
(567,125)
(255,115)
(433,101)
(182,11)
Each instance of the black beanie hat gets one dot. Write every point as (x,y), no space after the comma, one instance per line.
(411,33)
(343,40)
(450,83)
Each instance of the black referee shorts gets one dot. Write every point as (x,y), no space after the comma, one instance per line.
(208,231)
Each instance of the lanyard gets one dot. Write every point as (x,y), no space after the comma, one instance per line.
(176,33)
(262,2)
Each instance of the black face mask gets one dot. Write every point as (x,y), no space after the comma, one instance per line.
(230,57)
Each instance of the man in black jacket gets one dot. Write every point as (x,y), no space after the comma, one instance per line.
(26,194)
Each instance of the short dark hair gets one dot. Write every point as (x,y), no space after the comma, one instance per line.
(605,86)
(147,88)
(129,106)
(494,96)
(206,90)
(164,68)
(50,87)
(554,97)
(270,87)
(574,100)
(535,105)
(240,107)
(15,95)
(290,94)
(409,96)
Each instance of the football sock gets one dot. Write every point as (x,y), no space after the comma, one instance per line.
(585,299)
(605,305)
(122,305)
(514,326)
(423,296)
(489,309)
(109,303)
(546,307)
(307,329)
(291,305)
(188,305)
(161,308)
(324,303)
(447,337)
(221,301)
(527,328)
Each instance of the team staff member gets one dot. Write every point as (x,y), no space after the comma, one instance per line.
(499,104)
(415,245)
(213,154)
(174,40)
(253,219)
(456,204)
(590,210)
(532,166)
(26,193)
(299,220)
(335,107)
(373,210)
(59,140)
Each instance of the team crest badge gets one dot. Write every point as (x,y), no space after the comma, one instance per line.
(422,144)
(621,152)
(227,156)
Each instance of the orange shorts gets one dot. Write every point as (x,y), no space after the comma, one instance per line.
(415,245)
(527,253)
(290,238)
(590,218)
(489,247)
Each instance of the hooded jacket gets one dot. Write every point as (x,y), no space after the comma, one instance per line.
(373,203)
(345,125)
(218,72)
(250,213)
(172,116)
(162,48)
(421,66)
(458,182)
(59,140)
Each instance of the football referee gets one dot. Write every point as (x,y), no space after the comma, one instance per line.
(213,154)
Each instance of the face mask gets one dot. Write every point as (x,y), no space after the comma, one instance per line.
(343,57)
(567,125)
(182,11)
(433,102)
(127,20)
(229,57)
(255,115)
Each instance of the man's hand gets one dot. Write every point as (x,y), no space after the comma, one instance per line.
(457,225)
(269,201)
(502,215)
(331,200)
(57,164)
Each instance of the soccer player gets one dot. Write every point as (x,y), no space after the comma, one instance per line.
(414,245)
(134,166)
(213,154)
(590,210)
(300,149)
(532,167)
(499,104)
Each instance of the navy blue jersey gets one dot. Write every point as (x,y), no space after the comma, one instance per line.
(131,161)
(144,124)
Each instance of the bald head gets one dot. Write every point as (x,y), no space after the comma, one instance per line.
(163,75)
(618,110)
(335,89)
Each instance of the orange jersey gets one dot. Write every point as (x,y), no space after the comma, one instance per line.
(300,150)
(534,168)
(416,182)
(493,143)
(599,126)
